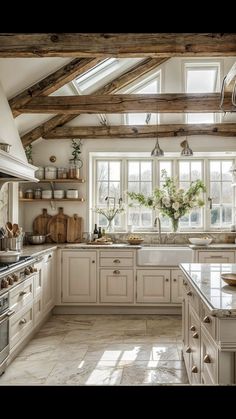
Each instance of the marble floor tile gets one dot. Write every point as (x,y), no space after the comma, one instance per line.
(169,373)
(27,372)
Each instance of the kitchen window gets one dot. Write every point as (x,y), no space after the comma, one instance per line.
(113,177)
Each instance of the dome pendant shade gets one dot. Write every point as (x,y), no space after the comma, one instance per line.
(187,151)
(157,151)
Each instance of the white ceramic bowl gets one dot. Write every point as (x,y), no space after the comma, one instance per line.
(200,241)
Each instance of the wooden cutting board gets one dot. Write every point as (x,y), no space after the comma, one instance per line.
(57,227)
(40,224)
(74,229)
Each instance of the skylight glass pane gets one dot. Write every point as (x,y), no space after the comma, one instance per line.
(96,73)
(198,118)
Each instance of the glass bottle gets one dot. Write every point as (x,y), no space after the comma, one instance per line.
(95,232)
(99,232)
(74,168)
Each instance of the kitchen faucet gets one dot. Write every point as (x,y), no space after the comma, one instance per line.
(159,227)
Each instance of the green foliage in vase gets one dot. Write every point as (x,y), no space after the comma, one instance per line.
(28,151)
(76,149)
(170,200)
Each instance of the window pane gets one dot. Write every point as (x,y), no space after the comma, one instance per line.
(102,192)
(226,193)
(196,170)
(133,187)
(137,118)
(102,170)
(198,118)
(114,170)
(215,192)
(215,216)
(133,218)
(146,188)
(195,218)
(215,170)
(227,215)
(133,168)
(146,218)
(184,185)
(165,165)
(201,80)
(226,166)
(184,168)
(114,190)
(146,170)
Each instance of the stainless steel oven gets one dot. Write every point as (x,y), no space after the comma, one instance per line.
(5,314)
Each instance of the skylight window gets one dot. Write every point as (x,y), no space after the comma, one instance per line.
(96,74)
(201,78)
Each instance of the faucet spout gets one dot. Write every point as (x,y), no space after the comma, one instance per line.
(157,219)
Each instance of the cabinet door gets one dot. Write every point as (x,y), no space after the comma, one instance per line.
(48,281)
(79,277)
(116,286)
(216,257)
(153,286)
(176,286)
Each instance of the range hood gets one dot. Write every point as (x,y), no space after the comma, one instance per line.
(13,169)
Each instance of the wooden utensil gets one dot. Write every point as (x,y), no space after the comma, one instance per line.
(9,229)
(57,226)
(74,229)
(15,228)
(40,224)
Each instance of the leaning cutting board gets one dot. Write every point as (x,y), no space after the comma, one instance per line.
(40,224)
(74,229)
(57,227)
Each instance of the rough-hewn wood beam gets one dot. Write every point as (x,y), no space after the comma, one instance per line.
(92,104)
(142,131)
(53,82)
(118,83)
(117,44)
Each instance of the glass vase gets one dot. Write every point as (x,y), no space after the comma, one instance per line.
(175,224)
(110,226)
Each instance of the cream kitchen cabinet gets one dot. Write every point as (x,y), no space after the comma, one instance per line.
(214,256)
(116,276)
(153,285)
(48,278)
(79,278)
(176,286)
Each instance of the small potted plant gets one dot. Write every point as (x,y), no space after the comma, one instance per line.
(28,153)
(75,163)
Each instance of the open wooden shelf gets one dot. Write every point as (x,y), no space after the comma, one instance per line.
(61,181)
(52,199)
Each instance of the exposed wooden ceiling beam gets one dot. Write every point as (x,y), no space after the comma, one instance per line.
(93,104)
(142,131)
(118,83)
(53,82)
(117,44)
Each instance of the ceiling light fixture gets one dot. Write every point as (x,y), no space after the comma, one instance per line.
(187,151)
(157,151)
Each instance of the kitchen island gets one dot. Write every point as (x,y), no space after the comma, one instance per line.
(209,324)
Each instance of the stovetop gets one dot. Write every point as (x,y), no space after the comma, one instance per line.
(4,266)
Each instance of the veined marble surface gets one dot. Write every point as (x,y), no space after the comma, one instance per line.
(206,279)
(214,246)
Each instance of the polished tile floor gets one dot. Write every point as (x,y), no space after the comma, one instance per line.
(102,350)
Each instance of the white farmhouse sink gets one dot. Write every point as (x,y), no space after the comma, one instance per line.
(163,256)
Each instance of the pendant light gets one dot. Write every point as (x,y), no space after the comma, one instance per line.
(157,151)
(187,151)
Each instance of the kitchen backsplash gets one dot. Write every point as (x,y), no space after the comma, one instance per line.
(177,238)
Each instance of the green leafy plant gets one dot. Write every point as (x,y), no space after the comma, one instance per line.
(170,200)
(28,151)
(76,149)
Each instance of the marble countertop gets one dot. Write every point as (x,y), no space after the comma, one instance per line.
(214,246)
(206,279)
(38,249)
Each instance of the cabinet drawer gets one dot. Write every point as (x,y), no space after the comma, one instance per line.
(117,262)
(21,295)
(116,254)
(209,355)
(207,320)
(21,324)
(216,257)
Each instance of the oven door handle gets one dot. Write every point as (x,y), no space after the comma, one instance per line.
(6,315)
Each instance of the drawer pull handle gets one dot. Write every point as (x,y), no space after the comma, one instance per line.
(184,282)
(218,257)
(116,271)
(207,359)
(189,293)
(188,350)
(10,313)
(22,293)
(22,321)
(192,328)
(116,261)
(194,369)
(195,335)
(206,319)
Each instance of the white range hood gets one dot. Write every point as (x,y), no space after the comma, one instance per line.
(14,166)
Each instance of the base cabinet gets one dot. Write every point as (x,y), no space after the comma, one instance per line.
(48,277)
(153,286)
(79,276)
(116,286)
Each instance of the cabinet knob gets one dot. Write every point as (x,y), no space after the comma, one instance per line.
(22,321)
(167,279)
(189,293)
(192,328)
(116,271)
(116,261)
(93,261)
(206,319)
(175,279)
(188,350)
(194,369)
(184,282)
(49,256)
(22,293)
(195,335)
(207,359)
